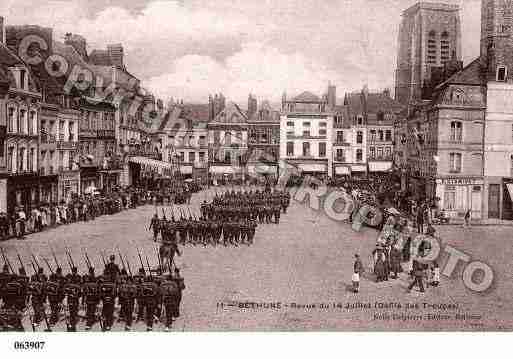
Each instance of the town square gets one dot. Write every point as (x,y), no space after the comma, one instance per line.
(226,177)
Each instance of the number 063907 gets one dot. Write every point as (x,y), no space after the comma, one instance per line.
(29,345)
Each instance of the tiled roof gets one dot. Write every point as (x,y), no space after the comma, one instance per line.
(196,112)
(375,102)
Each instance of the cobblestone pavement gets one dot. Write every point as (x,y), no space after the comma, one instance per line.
(293,268)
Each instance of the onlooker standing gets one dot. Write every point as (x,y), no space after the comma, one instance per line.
(418,275)
(21,223)
(357,270)
(420,219)
(466,219)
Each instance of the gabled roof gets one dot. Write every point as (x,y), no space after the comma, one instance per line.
(231,114)
(306,96)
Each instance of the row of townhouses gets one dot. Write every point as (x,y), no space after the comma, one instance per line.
(68,124)
(319,135)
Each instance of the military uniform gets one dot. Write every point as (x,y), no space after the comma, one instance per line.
(91,294)
(55,291)
(108,297)
(150,293)
(127,293)
(73,292)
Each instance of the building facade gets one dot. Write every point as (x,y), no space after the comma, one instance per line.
(228,142)
(263,140)
(429,36)
(306,131)
(19,127)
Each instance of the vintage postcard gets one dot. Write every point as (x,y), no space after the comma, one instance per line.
(268,166)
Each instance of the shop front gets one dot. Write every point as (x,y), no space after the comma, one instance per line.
(380,166)
(226,174)
(342,171)
(458,195)
(23,191)
(358,170)
(89,179)
(69,185)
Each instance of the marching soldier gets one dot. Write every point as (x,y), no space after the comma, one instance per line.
(92,297)
(112,269)
(73,292)
(138,281)
(107,288)
(5,277)
(38,296)
(155,222)
(55,291)
(127,291)
(150,293)
(170,299)
(181,286)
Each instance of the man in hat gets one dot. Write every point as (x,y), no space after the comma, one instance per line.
(112,269)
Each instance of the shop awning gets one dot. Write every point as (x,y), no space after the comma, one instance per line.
(312,167)
(149,164)
(510,190)
(342,170)
(186,170)
(359,168)
(262,169)
(381,166)
(222,170)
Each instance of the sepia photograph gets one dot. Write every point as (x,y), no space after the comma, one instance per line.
(257,166)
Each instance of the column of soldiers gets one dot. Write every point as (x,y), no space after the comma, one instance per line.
(230,219)
(93,298)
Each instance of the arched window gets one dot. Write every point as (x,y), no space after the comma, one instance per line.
(445,49)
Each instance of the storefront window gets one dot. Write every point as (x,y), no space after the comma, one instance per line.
(450,198)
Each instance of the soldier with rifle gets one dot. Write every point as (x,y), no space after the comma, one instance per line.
(150,292)
(55,290)
(127,293)
(91,294)
(170,298)
(139,279)
(73,293)
(107,287)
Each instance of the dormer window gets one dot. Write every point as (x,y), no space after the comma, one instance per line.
(502,73)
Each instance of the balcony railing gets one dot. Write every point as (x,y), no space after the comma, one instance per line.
(340,159)
(341,144)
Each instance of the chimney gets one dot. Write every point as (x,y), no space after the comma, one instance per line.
(116,55)
(2,31)
(332,96)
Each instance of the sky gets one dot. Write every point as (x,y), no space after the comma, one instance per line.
(188,49)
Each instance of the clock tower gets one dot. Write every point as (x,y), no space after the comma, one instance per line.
(496,39)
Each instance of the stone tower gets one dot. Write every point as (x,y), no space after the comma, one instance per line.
(429,37)
(496,36)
